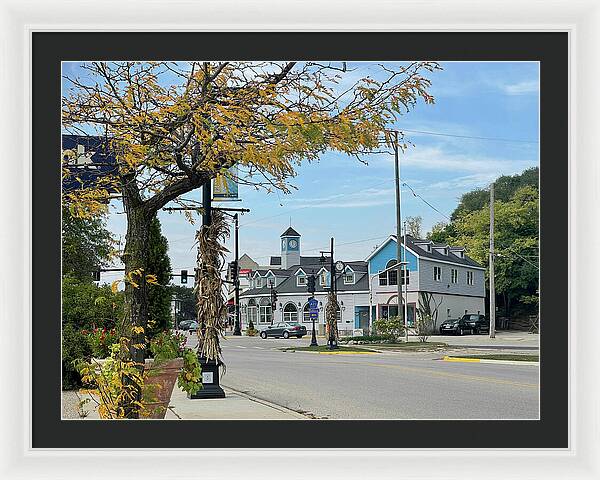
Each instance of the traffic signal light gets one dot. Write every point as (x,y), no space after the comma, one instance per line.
(184,276)
(273,299)
(96,275)
(311,284)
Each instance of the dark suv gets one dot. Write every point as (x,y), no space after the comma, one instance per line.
(456,326)
(477,323)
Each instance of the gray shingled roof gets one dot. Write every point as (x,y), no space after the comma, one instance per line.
(303,260)
(411,243)
(289,285)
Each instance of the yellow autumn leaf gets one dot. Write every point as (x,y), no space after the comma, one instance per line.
(115,286)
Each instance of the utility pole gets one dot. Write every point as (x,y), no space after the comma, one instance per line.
(237,329)
(492,286)
(405,286)
(398,232)
(332,343)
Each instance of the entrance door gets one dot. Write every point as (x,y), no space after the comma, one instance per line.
(361,318)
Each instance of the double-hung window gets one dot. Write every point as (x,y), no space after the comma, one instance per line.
(469,278)
(437,274)
(454,275)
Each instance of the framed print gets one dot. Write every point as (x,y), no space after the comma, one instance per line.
(322,241)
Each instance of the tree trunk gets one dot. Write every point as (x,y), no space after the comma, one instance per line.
(135,258)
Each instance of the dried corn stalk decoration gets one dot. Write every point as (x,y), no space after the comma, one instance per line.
(331,317)
(212,310)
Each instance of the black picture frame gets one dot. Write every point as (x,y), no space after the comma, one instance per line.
(549,48)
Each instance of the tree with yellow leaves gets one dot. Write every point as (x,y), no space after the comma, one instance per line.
(172,126)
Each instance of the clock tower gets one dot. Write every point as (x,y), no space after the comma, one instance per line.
(290,248)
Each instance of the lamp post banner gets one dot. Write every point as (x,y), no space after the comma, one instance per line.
(225,187)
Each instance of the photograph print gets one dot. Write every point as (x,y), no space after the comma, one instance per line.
(300,240)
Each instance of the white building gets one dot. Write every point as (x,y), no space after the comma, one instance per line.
(286,278)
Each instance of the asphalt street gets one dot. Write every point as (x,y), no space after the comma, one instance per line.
(378,386)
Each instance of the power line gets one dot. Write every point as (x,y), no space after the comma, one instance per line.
(494,139)
(425,201)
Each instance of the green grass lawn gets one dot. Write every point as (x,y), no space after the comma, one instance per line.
(410,346)
(323,348)
(502,356)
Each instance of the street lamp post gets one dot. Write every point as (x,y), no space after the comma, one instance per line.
(311,300)
(331,338)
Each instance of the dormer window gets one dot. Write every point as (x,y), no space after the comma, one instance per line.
(323,278)
(425,246)
(301,280)
(442,250)
(348,278)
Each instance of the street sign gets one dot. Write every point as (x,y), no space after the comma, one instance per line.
(313,303)
(313,313)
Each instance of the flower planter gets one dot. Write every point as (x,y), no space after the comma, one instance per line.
(159,386)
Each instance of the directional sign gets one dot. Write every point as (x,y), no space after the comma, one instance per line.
(313,314)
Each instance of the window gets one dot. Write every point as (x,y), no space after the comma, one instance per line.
(323,278)
(405,274)
(469,278)
(290,313)
(306,314)
(383,280)
(265,312)
(392,275)
(388,311)
(348,278)
(271,282)
(437,274)
(259,282)
(252,311)
(454,272)
(301,280)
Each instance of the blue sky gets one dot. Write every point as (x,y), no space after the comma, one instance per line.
(341,197)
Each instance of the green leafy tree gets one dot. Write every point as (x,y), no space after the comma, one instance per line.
(504,188)
(86,245)
(516,238)
(84,305)
(159,293)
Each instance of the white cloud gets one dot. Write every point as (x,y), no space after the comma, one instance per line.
(436,158)
(521,88)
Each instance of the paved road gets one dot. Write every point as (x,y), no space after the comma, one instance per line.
(382,386)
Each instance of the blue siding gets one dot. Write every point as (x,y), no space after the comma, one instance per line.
(379,261)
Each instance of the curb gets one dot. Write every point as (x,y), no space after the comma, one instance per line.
(484,360)
(330,353)
(266,403)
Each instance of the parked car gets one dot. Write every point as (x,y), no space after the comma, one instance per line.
(188,325)
(477,322)
(285,330)
(185,324)
(456,326)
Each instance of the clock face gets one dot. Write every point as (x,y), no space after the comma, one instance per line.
(293,243)
(339,266)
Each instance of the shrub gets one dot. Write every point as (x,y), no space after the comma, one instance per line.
(251,331)
(167,345)
(75,347)
(392,326)
(370,338)
(100,340)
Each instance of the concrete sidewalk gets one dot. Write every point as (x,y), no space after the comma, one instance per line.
(235,406)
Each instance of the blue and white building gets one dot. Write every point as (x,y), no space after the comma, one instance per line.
(456,281)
